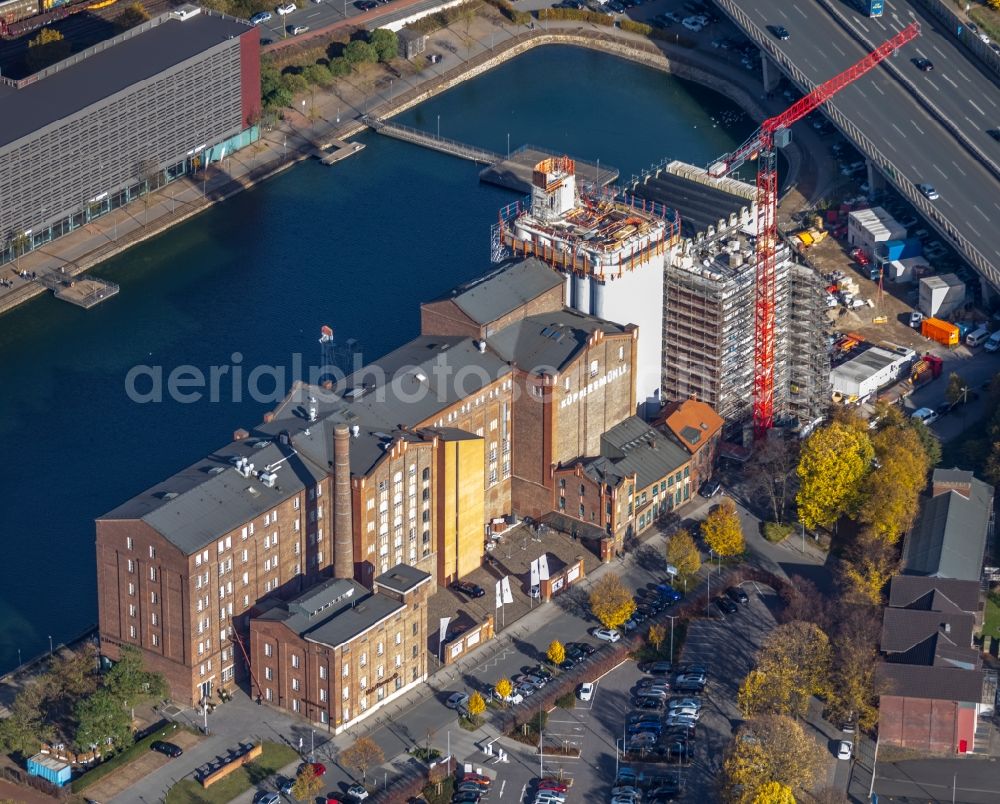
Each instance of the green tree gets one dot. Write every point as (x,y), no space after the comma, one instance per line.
(339,67)
(386,44)
(48,47)
(682,552)
(556,652)
(128,683)
(294,82)
(73,674)
(930,442)
(358,52)
(774,793)
(101,720)
(722,530)
(611,601)
(307,783)
(132,15)
(362,756)
(834,463)
(956,390)
(24,730)
(503,688)
(853,688)
(318,74)
(476,705)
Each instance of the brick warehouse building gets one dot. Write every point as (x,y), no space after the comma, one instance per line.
(339,651)
(405,464)
(88,134)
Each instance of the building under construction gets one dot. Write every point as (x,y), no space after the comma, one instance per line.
(611,250)
(709,304)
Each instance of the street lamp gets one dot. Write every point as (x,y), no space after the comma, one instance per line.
(672,618)
(50,644)
(439,126)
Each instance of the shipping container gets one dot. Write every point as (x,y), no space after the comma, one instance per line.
(50,768)
(940,331)
(892,250)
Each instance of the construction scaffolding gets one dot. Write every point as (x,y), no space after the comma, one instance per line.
(708,331)
(808,355)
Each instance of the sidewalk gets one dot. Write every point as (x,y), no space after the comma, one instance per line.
(331,116)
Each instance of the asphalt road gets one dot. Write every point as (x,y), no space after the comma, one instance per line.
(895,122)
(962,781)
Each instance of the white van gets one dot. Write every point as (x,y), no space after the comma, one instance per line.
(993,342)
(977,337)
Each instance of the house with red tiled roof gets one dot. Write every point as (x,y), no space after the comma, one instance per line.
(698,429)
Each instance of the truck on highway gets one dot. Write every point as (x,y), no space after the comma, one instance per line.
(871,8)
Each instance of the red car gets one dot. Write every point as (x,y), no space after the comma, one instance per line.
(477,778)
(318,768)
(552,784)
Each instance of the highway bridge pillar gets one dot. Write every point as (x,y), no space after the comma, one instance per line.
(876,182)
(770,74)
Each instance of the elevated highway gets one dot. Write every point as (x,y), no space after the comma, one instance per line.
(915,127)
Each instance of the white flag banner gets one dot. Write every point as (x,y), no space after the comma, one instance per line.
(508,595)
(499,596)
(543,567)
(534,572)
(444,629)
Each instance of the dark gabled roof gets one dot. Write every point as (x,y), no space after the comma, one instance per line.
(953,475)
(934,594)
(634,447)
(332,612)
(949,536)
(548,341)
(931,683)
(916,635)
(502,291)
(109,71)
(402,578)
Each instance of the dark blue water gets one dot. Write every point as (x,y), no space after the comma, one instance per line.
(356,246)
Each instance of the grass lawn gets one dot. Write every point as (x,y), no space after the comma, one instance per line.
(991,620)
(274,758)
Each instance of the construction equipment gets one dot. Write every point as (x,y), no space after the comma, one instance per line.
(879,317)
(761,145)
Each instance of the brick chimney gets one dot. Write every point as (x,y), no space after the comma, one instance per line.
(343,528)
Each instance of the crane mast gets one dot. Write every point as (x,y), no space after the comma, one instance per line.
(761,145)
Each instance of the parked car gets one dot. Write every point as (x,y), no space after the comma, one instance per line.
(365,5)
(648,703)
(668,593)
(844,749)
(586,691)
(466,798)
(357,792)
(457,700)
(926,415)
(295,30)
(552,784)
(584,648)
(736,593)
(659,668)
(287,8)
(606,634)
(262,16)
(478,778)
(168,749)
(682,703)
(266,798)
(726,606)
(710,488)
(916,319)
(466,588)
(514,698)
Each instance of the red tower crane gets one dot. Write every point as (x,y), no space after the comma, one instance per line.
(761,145)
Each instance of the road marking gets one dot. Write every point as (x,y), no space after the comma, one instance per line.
(503,784)
(992,102)
(901,134)
(314,14)
(861,92)
(834,46)
(940,171)
(782,13)
(964,76)
(877,87)
(938,51)
(916,126)
(524,791)
(973,229)
(801,12)
(973,105)
(981,212)
(959,169)
(946,78)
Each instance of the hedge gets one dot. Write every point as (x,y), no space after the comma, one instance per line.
(577,14)
(130,754)
(636,27)
(511,13)
(777,532)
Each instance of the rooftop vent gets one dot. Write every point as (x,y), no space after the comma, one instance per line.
(185,12)
(168,495)
(420,376)
(269,479)
(244,467)
(252,491)
(312,410)
(216,470)
(261,444)
(355,430)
